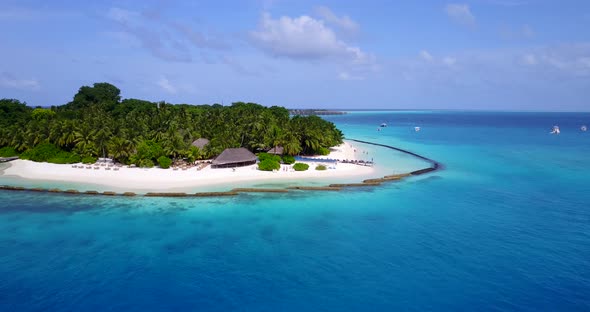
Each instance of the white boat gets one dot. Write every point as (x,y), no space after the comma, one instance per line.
(383,125)
(416,129)
(583,128)
(555,130)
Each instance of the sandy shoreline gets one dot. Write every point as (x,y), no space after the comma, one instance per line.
(133,179)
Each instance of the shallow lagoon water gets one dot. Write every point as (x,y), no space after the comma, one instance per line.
(505,227)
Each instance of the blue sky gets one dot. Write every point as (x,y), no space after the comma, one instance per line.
(480,54)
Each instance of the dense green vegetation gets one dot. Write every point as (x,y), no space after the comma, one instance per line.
(300,167)
(321,167)
(268,165)
(272,162)
(50,153)
(89,160)
(323,151)
(8,152)
(288,159)
(98,123)
(265,156)
(164,162)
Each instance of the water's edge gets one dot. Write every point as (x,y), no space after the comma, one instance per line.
(236,191)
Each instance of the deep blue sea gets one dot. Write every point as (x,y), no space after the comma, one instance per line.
(505,227)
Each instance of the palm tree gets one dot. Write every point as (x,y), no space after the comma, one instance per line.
(101,140)
(4,136)
(84,140)
(275,137)
(19,141)
(291,144)
(120,149)
(67,134)
(194,153)
(174,146)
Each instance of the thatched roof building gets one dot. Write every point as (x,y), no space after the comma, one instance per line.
(200,143)
(277,150)
(234,157)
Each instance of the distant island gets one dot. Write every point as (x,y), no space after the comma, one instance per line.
(311,112)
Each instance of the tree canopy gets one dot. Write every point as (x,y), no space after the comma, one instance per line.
(97,123)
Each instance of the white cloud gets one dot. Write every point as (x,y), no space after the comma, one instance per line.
(553,62)
(9,81)
(176,87)
(122,15)
(571,60)
(304,38)
(348,76)
(197,38)
(35,14)
(507,3)
(170,40)
(460,13)
(152,36)
(344,23)
(11,14)
(449,61)
(529,59)
(268,4)
(426,56)
(517,33)
(584,61)
(165,84)
(527,31)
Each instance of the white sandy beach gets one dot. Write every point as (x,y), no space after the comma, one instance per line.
(163,179)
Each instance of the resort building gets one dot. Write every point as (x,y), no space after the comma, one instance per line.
(277,150)
(200,143)
(234,157)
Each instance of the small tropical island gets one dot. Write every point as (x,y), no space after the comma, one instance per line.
(130,143)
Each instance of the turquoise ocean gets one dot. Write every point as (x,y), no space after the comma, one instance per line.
(504,227)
